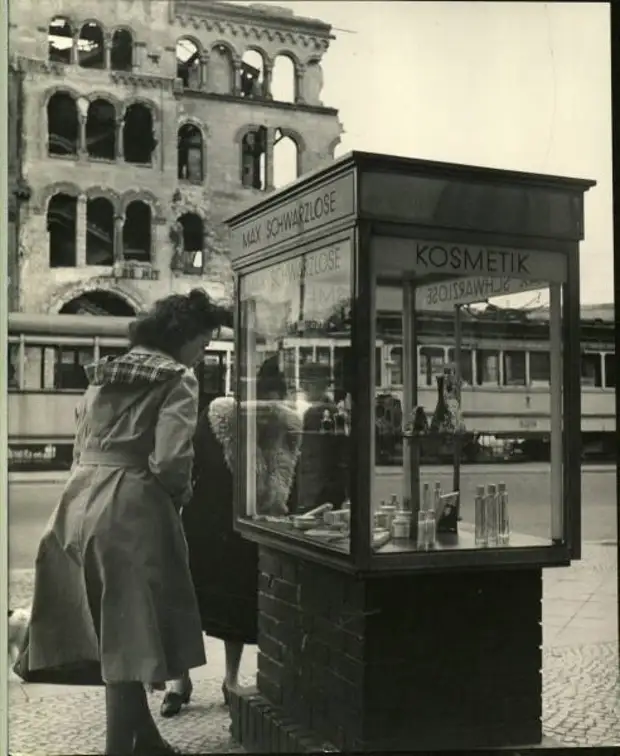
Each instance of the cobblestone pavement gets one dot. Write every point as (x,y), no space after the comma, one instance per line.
(581,685)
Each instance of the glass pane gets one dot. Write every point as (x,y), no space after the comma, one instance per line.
(514,368)
(540,367)
(610,370)
(295,410)
(463,441)
(591,370)
(396,366)
(33,368)
(13,366)
(69,369)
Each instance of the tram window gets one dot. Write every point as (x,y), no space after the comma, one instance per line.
(396,367)
(514,368)
(39,368)
(432,360)
(487,367)
(69,372)
(305,355)
(610,370)
(12,366)
(323,355)
(111,351)
(540,368)
(466,373)
(213,375)
(591,369)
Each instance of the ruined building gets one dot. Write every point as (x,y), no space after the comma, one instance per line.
(144,125)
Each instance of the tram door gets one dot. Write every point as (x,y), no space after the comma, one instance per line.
(211,374)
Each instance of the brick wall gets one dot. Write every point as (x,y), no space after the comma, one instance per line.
(436,661)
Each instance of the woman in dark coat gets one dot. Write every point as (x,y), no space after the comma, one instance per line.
(224,565)
(113,596)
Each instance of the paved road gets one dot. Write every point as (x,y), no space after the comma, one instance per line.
(31,503)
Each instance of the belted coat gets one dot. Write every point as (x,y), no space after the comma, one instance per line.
(112,582)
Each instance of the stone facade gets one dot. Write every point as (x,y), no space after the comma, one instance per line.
(212,101)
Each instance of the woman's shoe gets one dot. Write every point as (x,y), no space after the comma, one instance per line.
(173,701)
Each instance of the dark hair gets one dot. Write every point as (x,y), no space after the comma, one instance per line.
(174,320)
(270,379)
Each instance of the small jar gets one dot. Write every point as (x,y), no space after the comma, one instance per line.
(400,527)
(390,513)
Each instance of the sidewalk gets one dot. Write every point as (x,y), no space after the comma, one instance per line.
(581,686)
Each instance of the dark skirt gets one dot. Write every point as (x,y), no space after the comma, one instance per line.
(224,566)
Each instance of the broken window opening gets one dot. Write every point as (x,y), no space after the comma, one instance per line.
(62,229)
(99,232)
(138,138)
(60,40)
(252,74)
(137,232)
(121,55)
(221,72)
(193,242)
(63,127)
(190,154)
(101,130)
(188,64)
(253,158)
(99,303)
(283,83)
(285,159)
(90,46)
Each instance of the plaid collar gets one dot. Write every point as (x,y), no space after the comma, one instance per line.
(133,367)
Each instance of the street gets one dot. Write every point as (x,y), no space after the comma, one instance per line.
(31,503)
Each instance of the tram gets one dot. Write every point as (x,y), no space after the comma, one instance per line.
(504,369)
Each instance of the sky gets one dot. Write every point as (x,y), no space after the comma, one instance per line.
(521,86)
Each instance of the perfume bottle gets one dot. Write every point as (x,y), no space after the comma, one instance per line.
(480,517)
(441,420)
(437,499)
(502,515)
(491,515)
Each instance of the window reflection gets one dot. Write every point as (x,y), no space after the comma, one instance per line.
(297,441)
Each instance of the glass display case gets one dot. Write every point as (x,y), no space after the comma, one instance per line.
(408,378)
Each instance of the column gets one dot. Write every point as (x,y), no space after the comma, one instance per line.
(82,151)
(119,220)
(269,160)
(119,139)
(204,71)
(74,49)
(80,232)
(107,52)
(267,79)
(300,72)
(236,75)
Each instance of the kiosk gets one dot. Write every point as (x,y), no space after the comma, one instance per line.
(400,608)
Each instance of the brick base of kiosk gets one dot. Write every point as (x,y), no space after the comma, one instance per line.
(393,663)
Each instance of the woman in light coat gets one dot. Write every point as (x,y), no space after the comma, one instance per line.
(113,592)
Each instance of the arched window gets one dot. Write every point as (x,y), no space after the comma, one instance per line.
(90,46)
(121,55)
(62,227)
(252,74)
(99,232)
(99,302)
(63,127)
(188,64)
(137,232)
(193,242)
(190,154)
(285,159)
(138,139)
(283,86)
(221,71)
(101,130)
(253,158)
(60,40)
